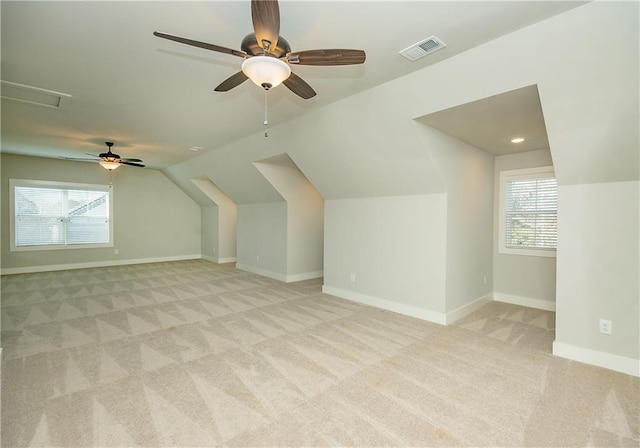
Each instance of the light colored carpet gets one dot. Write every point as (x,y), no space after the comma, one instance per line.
(196,354)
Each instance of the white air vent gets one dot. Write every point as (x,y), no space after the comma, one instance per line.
(34,95)
(423,48)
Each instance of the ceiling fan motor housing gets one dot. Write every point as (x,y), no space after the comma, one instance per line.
(250,46)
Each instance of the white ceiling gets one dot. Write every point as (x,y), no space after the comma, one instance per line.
(154,98)
(491,123)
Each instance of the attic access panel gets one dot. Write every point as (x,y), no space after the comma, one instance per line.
(34,95)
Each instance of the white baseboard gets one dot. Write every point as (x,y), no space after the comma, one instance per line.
(95,264)
(609,361)
(409,310)
(400,308)
(219,260)
(467,309)
(529,302)
(278,276)
(260,271)
(304,276)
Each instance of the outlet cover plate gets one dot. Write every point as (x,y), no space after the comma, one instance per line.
(605,326)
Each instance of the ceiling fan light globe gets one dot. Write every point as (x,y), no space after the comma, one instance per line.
(266,71)
(107,165)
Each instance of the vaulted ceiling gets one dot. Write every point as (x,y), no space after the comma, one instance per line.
(155,99)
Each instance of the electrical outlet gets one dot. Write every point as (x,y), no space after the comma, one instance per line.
(352,277)
(605,326)
(484,280)
(116,251)
(257,257)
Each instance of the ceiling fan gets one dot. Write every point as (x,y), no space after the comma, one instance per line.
(268,56)
(109,160)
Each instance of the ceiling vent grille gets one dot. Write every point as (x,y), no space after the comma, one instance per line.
(34,95)
(422,48)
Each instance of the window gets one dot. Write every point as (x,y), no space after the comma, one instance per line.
(529,212)
(55,215)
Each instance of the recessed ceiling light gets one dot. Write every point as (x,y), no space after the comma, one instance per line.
(517,140)
(196,148)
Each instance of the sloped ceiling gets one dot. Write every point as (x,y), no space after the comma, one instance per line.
(366,145)
(155,99)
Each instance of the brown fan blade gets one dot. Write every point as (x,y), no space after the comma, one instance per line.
(232,81)
(266,22)
(326,57)
(298,86)
(132,164)
(206,46)
(127,159)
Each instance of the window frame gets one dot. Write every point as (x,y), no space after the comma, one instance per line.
(13,183)
(525,173)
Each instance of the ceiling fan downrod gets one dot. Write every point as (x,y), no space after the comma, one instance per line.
(266,118)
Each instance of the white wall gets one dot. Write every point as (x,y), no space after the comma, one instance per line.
(467,173)
(221,223)
(593,132)
(209,232)
(153,218)
(305,219)
(305,237)
(517,278)
(227,234)
(598,267)
(262,239)
(363,146)
(396,249)
(2,243)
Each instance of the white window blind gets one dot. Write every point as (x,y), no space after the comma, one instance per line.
(60,215)
(532,213)
(529,212)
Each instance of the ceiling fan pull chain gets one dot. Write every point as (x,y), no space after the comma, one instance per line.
(266,118)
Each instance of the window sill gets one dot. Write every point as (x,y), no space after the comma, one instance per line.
(59,247)
(528,252)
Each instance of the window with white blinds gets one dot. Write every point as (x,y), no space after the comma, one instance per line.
(54,215)
(529,212)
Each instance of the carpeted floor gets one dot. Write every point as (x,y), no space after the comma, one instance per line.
(192,353)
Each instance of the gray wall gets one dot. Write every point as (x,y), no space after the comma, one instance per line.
(305,219)
(395,247)
(227,233)
(153,218)
(219,234)
(262,239)
(521,277)
(467,173)
(209,226)
(598,271)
